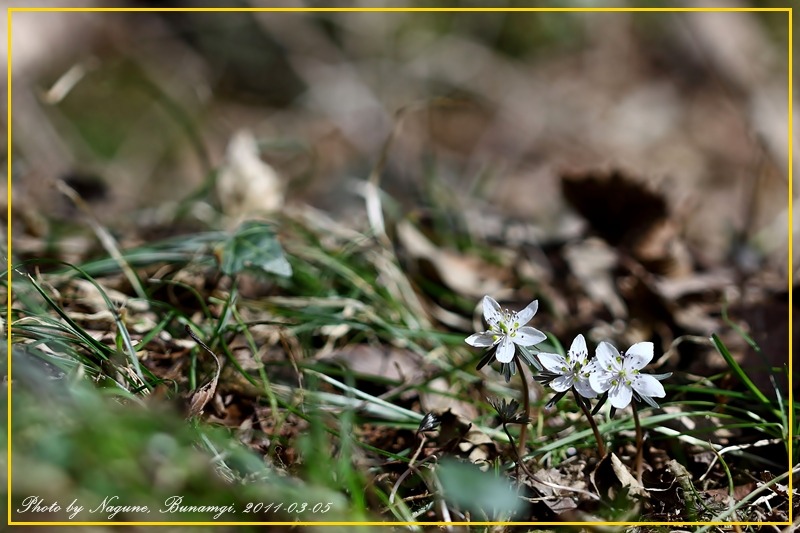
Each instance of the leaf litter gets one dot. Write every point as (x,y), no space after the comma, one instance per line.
(379,368)
(332,316)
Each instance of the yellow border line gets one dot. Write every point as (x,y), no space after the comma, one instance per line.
(393,524)
(395,9)
(8,262)
(788,10)
(790,237)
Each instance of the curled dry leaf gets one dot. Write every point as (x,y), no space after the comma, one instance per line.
(611,476)
(460,436)
(203,395)
(547,482)
(626,479)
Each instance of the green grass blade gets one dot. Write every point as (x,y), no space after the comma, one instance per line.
(740,373)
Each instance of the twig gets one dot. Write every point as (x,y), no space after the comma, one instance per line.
(541,481)
(684,479)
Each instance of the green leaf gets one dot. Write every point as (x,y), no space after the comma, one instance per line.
(470,488)
(739,371)
(254,246)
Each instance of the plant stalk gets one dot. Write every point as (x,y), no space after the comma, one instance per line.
(526,407)
(601,448)
(639,444)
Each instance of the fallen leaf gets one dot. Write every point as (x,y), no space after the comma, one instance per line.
(722,495)
(611,476)
(385,362)
(627,213)
(592,263)
(621,210)
(465,275)
(246,185)
(626,479)
(255,247)
(458,434)
(203,395)
(438,397)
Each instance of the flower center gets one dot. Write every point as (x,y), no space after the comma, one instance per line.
(622,377)
(507,325)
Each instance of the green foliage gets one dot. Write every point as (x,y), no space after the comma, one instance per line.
(469,488)
(73,441)
(254,246)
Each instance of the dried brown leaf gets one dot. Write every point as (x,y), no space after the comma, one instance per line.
(627,213)
(611,475)
(466,275)
(459,435)
(382,361)
(204,394)
(246,185)
(592,262)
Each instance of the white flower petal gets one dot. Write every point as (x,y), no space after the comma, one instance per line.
(590,368)
(585,389)
(607,356)
(528,336)
(638,355)
(491,310)
(587,371)
(646,385)
(561,383)
(480,340)
(600,381)
(578,349)
(524,316)
(505,351)
(552,362)
(620,396)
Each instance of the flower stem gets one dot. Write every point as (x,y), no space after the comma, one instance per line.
(526,407)
(601,448)
(639,444)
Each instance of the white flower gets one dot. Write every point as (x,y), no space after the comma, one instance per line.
(620,374)
(570,371)
(506,329)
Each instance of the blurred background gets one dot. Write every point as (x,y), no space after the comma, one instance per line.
(629,169)
(139,110)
